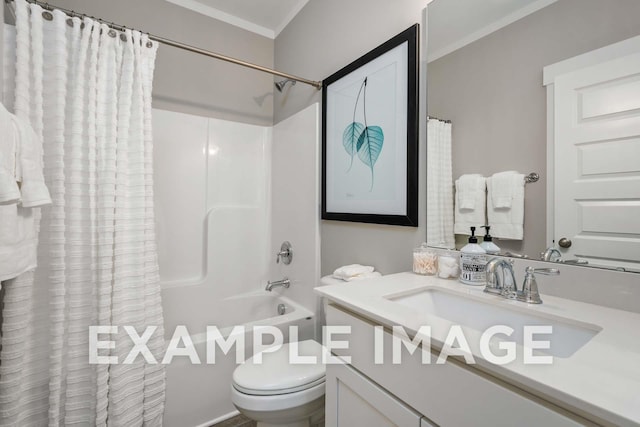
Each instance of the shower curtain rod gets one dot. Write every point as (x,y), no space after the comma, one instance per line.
(179,45)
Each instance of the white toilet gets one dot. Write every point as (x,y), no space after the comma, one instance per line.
(279,393)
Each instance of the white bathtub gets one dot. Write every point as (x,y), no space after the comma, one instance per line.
(199,395)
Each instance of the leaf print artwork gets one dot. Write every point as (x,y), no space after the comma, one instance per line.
(365,140)
(369,147)
(350,139)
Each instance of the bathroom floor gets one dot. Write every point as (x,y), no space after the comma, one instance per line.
(237,421)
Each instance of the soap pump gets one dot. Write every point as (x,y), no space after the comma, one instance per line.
(487,242)
(473,261)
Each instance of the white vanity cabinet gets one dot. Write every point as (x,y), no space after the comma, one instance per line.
(369,394)
(357,401)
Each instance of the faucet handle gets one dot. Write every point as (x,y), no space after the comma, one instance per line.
(286,254)
(529,293)
(545,271)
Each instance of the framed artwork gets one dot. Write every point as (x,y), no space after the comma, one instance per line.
(370,136)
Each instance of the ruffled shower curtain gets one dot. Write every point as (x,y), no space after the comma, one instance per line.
(86,89)
(439,185)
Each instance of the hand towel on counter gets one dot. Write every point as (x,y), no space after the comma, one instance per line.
(470,206)
(355,272)
(371,275)
(506,217)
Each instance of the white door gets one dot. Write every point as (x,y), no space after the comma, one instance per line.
(597,159)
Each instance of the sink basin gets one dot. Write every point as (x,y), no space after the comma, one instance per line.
(568,336)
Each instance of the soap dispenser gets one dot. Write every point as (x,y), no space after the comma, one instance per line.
(487,242)
(473,261)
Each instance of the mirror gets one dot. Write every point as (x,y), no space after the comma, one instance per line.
(485,75)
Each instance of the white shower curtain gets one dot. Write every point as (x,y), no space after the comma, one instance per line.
(439,185)
(86,90)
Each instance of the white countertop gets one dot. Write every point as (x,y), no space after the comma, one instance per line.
(601,380)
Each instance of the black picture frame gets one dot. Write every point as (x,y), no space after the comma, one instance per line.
(366,142)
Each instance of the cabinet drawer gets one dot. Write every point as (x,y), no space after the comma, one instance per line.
(448,394)
(355,401)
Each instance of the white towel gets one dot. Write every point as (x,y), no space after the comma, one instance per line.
(471,196)
(18,238)
(371,275)
(507,222)
(352,271)
(503,188)
(9,191)
(33,191)
(467,187)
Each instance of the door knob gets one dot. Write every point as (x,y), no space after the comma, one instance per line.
(564,243)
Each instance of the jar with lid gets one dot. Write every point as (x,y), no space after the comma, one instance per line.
(448,264)
(425,260)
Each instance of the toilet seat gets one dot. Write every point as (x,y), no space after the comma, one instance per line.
(277,375)
(280,391)
(278,402)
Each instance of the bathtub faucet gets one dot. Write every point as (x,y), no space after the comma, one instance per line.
(285,283)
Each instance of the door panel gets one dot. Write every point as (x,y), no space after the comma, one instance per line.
(597,162)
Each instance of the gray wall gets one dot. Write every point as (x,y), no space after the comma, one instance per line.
(324,37)
(492,91)
(191,83)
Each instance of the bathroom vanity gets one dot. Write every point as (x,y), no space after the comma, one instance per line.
(593,379)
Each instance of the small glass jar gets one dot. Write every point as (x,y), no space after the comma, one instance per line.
(425,261)
(448,264)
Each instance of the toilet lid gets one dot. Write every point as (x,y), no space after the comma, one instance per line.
(278,375)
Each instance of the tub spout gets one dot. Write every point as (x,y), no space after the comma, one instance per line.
(285,283)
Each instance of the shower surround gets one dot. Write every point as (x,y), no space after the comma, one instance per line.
(227,195)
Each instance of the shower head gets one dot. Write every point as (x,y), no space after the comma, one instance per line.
(281,84)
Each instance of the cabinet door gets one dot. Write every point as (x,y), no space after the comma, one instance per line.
(355,401)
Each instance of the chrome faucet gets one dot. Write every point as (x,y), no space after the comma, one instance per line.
(285,283)
(551,254)
(285,254)
(530,293)
(501,284)
(575,261)
(505,284)
(554,255)
(514,255)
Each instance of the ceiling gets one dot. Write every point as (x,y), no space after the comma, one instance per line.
(456,23)
(452,23)
(264,17)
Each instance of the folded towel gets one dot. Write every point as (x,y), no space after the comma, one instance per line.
(349,271)
(507,223)
(504,186)
(467,187)
(470,187)
(363,276)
